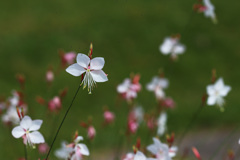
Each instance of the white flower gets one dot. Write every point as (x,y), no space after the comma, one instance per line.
(173,151)
(172,46)
(162,120)
(64,151)
(157,85)
(92,69)
(138,114)
(209,10)
(216,92)
(140,156)
(11,116)
(28,130)
(14,100)
(127,89)
(160,150)
(80,149)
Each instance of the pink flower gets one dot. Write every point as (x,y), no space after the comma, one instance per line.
(69,57)
(43,148)
(168,102)
(49,76)
(91,132)
(129,88)
(109,117)
(55,104)
(132,126)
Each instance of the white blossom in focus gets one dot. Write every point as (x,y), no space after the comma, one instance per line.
(28,130)
(92,69)
(216,92)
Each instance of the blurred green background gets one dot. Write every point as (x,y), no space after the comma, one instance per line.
(127,34)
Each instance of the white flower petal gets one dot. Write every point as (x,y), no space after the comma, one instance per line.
(36,124)
(78,139)
(167,45)
(139,156)
(211,100)
(153,149)
(97,63)
(224,91)
(219,84)
(36,137)
(99,76)
(26,122)
(178,49)
(75,69)
(210,90)
(83,60)
(18,132)
(84,150)
(123,87)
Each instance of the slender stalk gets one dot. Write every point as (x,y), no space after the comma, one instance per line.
(223,142)
(25,151)
(63,121)
(193,119)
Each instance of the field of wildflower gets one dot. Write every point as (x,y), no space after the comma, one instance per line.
(119,80)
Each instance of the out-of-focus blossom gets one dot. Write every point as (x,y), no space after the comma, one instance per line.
(28,130)
(172,46)
(91,132)
(168,103)
(208,9)
(161,151)
(55,104)
(108,117)
(43,148)
(138,156)
(135,117)
(129,88)
(64,151)
(79,149)
(11,115)
(67,58)
(161,123)
(92,69)
(49,76)
(157,85)
(216,92)
(151,122)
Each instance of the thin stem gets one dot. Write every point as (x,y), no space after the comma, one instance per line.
(25,151)
(223,142)
(193,119)
(62,121)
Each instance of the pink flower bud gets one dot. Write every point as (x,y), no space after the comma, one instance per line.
(91,132)
(109,116)
(132,126)
(168,102)
(49,76)
(55,104)
(43,148)
(69,57)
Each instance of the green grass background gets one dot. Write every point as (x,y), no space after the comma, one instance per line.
(127,34)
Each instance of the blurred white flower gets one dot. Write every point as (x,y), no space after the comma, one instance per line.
(160,150)
(28,130)
(172,46)
(80,149)
(64,151)
(157,85)
(11,116)
(92,69)
(140,156)
(209,10)
(161,123)
(216,92)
